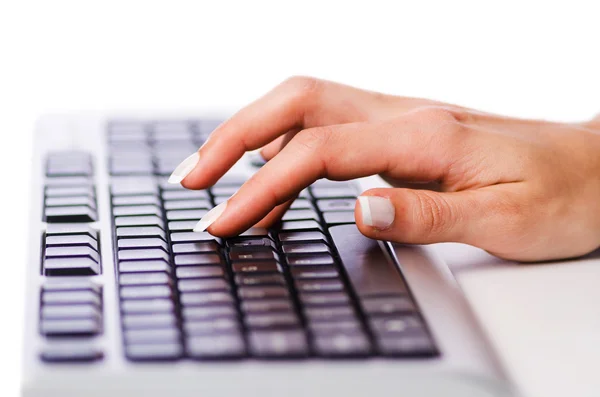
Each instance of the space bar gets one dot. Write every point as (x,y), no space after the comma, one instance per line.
(371,273)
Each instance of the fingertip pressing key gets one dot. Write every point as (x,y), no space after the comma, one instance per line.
(210,217)
(184,168)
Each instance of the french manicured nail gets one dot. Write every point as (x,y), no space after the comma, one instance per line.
(210,217)
(184,168)
(376,211)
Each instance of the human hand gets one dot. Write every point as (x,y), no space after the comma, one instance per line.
(520,189)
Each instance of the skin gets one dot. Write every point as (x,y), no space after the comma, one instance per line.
(526,190)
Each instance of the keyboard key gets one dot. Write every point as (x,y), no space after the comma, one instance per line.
(68,181)
(87,191)
(284,343)
(185,214)
(71,297)
(74,327)
(402,336)
(70,352)
(133,186)
(147,306)
(300,225)
(211,327)
(202,285)
(205,246)
(71,311)
(185,195)
(224,190)
(302,237)
(146,292)
(351,325)
(206,298)
(151,242)
(342,344)
(301,204)
(262,292)
(327,285)
(161,335)
(141,231)
(256,267)
(337,218)
(264,306)
(70,228)
(131,210)
(198,259)
(136,200)
(71,285)
(184,272)
(76,266)
(333,192)
(188,205)
(336,205)
(329,313)
(143,254)
(182,225)
(192,313)
(317,299)
(369,270)
(260,279)
(249,243)
(255,232)
(144,266)
(77,213)
(154,351)
(70,201)
(382,306)
(296,215)
(253,255)
(396,325)
(319,272)
(216,346)
(72,240)
(191,237)
(72,251)
(139,221)
(304,248)
(146,321)
(156,278)
(272,320)
(310,260)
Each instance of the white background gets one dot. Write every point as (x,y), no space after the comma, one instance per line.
(531,59)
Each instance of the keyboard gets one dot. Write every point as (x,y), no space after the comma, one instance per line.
(311,287)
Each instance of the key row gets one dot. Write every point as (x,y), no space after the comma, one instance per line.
(71,250)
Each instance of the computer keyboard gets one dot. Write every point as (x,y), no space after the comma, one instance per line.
(310,287)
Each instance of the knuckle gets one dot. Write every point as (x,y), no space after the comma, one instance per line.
(303,86)
(314,138)
(433,213)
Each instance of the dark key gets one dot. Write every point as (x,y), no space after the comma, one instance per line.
(318,299)
(190,237)
(402,336)
(70,228)
(206,298)
(75,327)
(185,195)
(151,242)
(161,335)
(183,272)
(136,200)
(329,313)
(70,352)
(71,297)
(204,246)
(382,306)
(327,285)
(338,218)
(336,205)
(272,320)
(144,266)
(198,259)
(131,210)
(139,221)
(154,351)
(146,321)
(133,186)
(77,213)
(260,279)
(319,272)
(369,270)
(71,311)
(225,325)
(76,266)
(249,243)
(70,240)
(72,251)
(253,255)
(304,248)
(193,313)
(256,267)
(333,192)
(351,325)
(266,305)
(301,204)
(70,201)
(87,191)
(342,344)
(182,225)
(177,215)
(284,343)
(396,325)
(310,260)
(300,225)
(262,292)
(147,306)
(296,215)
(146,292)
(143,254)
(202,285)
(302,237)
(188,205)
(224,190)
(141,231)
(156,278)
(216,346)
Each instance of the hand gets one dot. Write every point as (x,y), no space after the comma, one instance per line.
(520,189)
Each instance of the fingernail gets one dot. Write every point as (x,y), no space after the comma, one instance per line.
(376,211)
(184,168)
(210,217)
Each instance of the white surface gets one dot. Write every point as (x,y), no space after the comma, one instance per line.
(530,59)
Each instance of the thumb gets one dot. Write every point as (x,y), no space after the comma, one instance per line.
(419,216)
